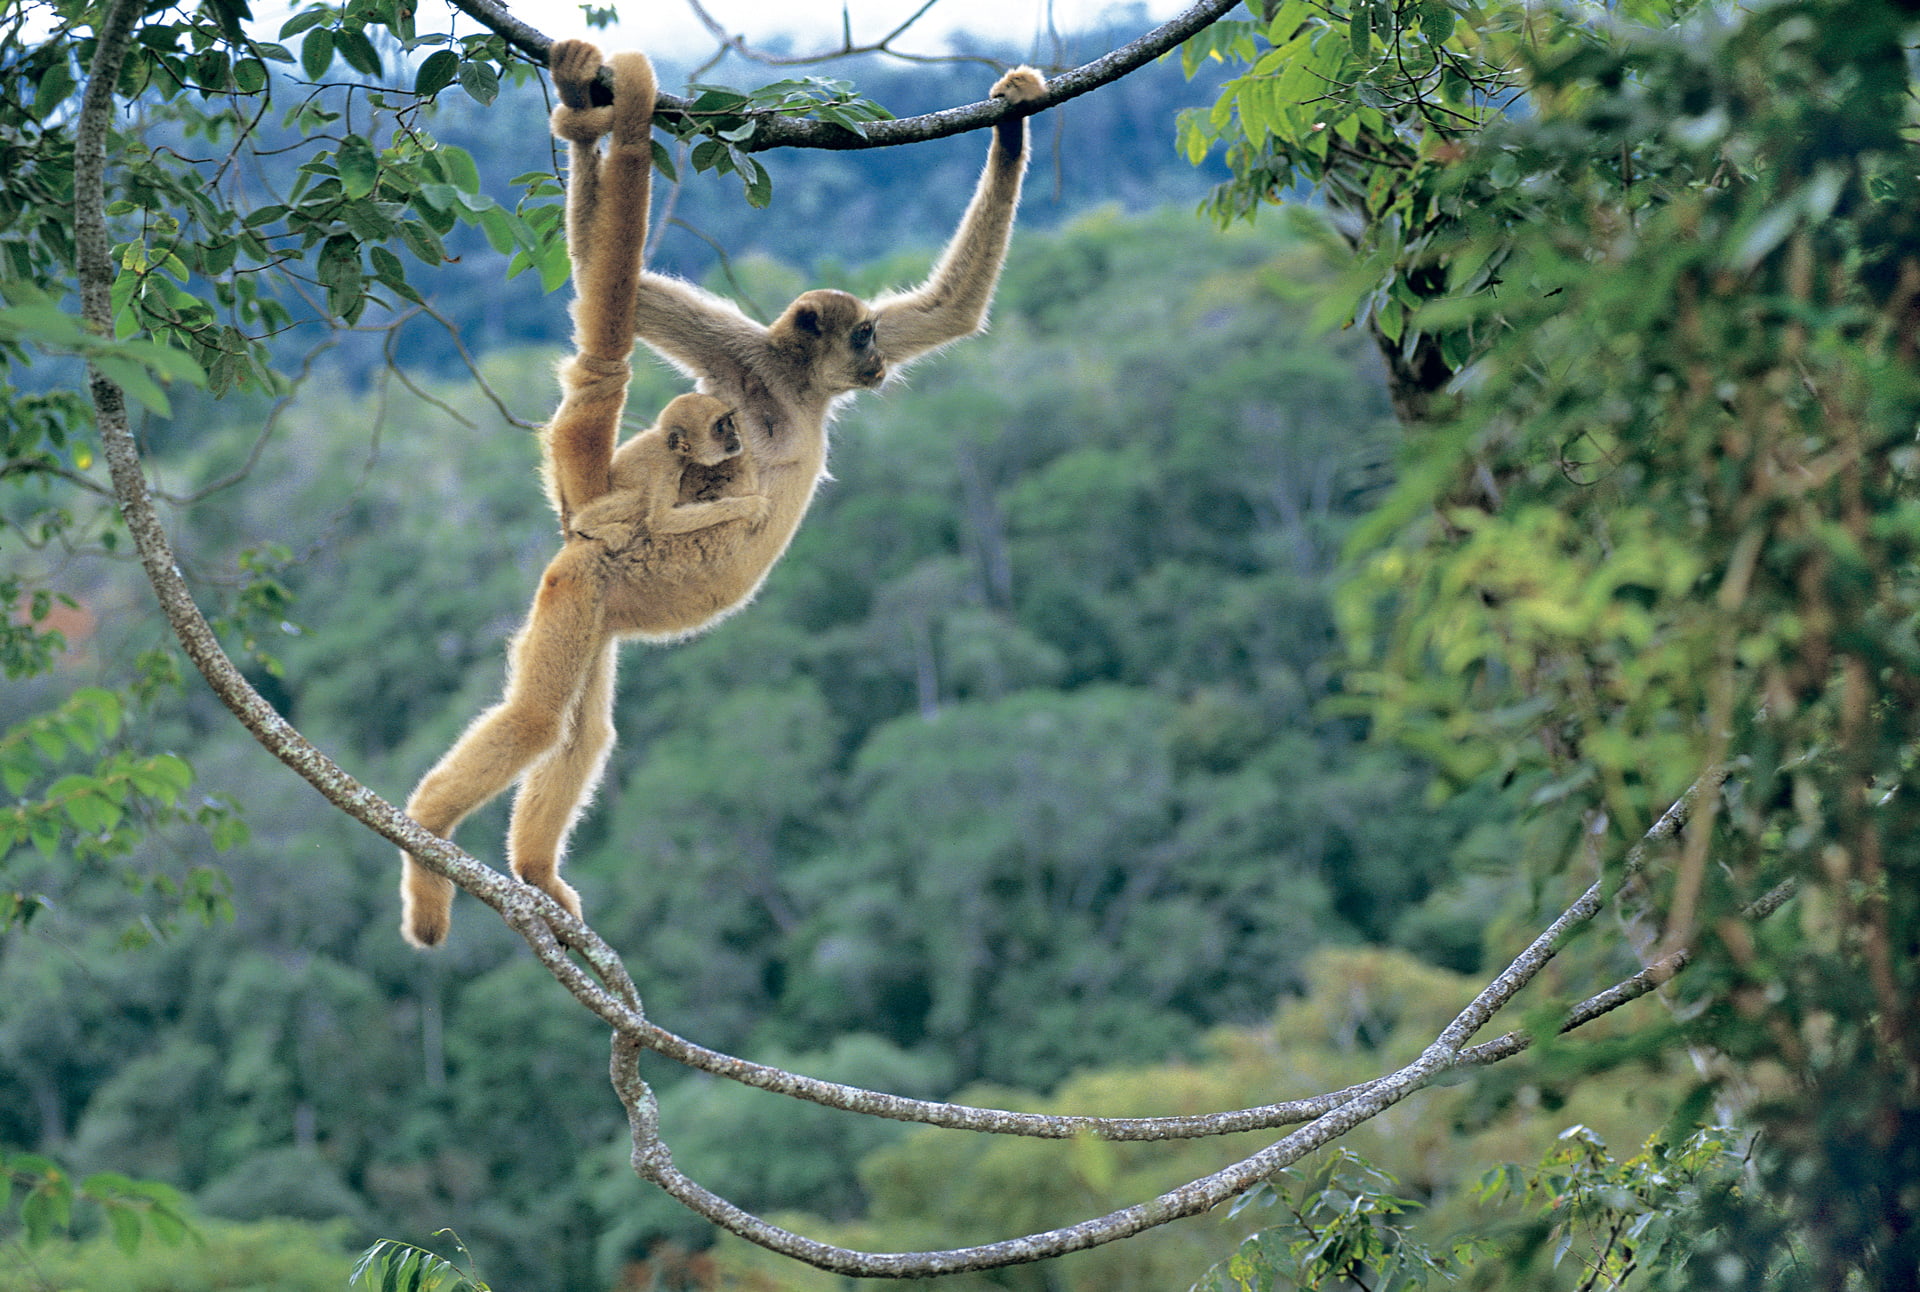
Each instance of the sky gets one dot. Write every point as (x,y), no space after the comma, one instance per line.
(669,27)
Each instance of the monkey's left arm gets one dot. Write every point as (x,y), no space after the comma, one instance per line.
(666,515)
(606,240)
(691,516)
(953,302)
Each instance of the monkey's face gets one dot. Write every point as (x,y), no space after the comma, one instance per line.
(869,369)
(707,443)
(832,334)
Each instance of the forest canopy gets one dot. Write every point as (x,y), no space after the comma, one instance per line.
(1178,702)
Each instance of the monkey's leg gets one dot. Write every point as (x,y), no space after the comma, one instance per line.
(561,785)
(549,662)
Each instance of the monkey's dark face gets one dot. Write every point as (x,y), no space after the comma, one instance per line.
(707,443)
(869,368)
(834,331)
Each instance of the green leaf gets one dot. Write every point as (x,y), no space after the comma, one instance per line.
(358,51)
(92,813)
(497,224)
(480,81)
(460,167)
(302,21)
(359,166)
(135,382)
(125,1223)
(759,184)
(441,197)
(168,1225)
(437,72)
(712,99)
(663,162)
(56,83)
(316,53)
(173,770)
(48,1208)
(1436,20)
(422,242)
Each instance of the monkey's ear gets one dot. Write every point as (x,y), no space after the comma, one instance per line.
(807,319)
(677,440)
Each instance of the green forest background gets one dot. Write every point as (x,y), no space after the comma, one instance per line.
(1027,774)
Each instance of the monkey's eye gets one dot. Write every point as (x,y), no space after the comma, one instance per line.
(726,425)
(863,336)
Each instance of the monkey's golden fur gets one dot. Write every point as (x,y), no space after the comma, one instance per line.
(659,548)
(783,381)
(651,530)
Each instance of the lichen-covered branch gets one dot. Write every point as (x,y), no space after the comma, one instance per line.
(788,132)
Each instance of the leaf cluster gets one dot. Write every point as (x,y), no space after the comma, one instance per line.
(722,120)
(1342,1228)
(47,1196)
(102,813)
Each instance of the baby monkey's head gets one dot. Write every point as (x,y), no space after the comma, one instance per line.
(700,428)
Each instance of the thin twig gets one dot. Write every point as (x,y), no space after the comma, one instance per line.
(845,49)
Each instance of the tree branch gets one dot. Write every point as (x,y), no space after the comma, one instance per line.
(653,1160)
(789,132)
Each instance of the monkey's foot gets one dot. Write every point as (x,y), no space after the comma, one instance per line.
(1021,85)
(426,905)
(544,879)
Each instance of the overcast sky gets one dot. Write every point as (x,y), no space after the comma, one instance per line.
(669,28)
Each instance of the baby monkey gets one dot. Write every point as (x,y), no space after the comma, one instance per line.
(683,475)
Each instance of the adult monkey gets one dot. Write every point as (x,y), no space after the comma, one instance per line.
(784,381)
(780,383)
(654,531)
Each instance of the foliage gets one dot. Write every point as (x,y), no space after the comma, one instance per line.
(722,115)
(1596,1221)
(1667,528)
(87,817)
(401,1265)
(275,1256)
(1341,1230)
(129,1207)
(1607,1221)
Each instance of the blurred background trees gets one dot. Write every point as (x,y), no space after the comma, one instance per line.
(1147,719)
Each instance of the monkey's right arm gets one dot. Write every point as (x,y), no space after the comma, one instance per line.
(701,334)
(607,233)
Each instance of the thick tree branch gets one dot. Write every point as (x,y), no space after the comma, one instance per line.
(788,132)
